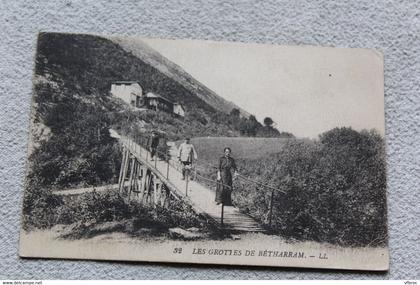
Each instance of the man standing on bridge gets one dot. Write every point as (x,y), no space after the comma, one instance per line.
(186,155)
(153,144)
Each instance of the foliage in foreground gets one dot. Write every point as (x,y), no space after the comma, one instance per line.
(90,209)
(334,189)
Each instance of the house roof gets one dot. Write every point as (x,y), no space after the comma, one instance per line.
(126,82)
(153,95)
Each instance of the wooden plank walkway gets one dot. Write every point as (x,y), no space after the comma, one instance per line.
(200,197)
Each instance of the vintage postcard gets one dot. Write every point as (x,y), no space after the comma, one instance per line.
(206,152)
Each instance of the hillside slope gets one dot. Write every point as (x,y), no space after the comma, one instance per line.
(73,109)
(144,52)
(89,64)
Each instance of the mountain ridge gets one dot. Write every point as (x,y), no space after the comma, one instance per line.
(144,52)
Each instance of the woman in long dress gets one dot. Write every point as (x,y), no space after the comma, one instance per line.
(224,178)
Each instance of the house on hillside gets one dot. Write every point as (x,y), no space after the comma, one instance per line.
(158,103)
(131,93)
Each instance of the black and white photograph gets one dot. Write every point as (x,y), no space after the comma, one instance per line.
(193,151)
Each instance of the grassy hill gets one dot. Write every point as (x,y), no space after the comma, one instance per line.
(87,65)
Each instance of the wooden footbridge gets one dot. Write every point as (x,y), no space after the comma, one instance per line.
(154,181)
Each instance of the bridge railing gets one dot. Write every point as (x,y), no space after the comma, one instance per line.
(143,142)
(241,181)
(140,145)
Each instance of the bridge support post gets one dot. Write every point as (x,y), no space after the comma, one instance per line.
(135,178)
(130,181)
(142,187)
(161,195)
(135,187)
(135,183)
(161,199)
(139,180)
(148,185)
(124,172)
(270,214)
(167,166)
(222,215)
(156,186)
(186,183)
(122,167)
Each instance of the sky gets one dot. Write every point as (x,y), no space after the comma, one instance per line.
(305,90)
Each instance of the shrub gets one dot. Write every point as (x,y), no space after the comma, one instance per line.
(39,208)
(89,209)
(334,188)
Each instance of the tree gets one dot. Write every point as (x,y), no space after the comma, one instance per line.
(235,118)
(235,112)
(252,126)
(268,122)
